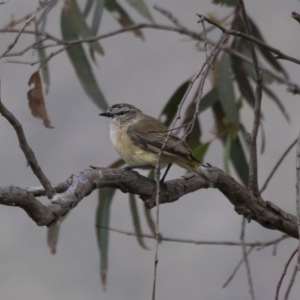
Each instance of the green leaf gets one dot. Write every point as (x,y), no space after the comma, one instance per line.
(277,101)
(121,16)
(43,17)
(265,52)
(45,70)
(136,221)
(225,2)
(209,99)
(267,79)
(200,151)
(227,151)
(149,220)
(193,139)
(170,108)
(242,80)
(81,64)
(53,233)
(77,20)
(239,160)
(102,232)
(88,7)
(148,215)
(226,91)
(141,7)
(97,16)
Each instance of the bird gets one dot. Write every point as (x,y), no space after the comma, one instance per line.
(138,139)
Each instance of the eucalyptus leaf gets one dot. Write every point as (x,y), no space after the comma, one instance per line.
(171,107)
(226,91)
(102,232)
(200,151)
(264,51)
(136,221)
(242,80)
(77,20)
(209,99)
(141,7)
(239,160)
(81,64)
(88,7)
(121,16)
(97,16)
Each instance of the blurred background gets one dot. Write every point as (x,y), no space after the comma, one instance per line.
(144,74)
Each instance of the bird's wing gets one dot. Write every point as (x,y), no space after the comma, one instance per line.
(152,138)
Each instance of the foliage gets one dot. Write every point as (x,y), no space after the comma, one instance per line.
(232,88)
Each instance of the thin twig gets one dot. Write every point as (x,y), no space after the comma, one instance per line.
(253,173)
(290,147)
(29,154)
(245,256)
(157,168)
(43,5)
(297,195)
(280,55)
(284,273)
(291,283)
(260,245)
(236,268)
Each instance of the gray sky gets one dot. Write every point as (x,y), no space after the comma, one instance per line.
(144,74)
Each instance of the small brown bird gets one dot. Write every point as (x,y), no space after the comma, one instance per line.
(138,139)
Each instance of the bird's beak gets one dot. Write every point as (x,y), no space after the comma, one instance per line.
(106,114)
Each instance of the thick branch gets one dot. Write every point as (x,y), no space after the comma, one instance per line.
(245,203)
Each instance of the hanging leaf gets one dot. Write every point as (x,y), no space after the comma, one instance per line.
(53,233)
(81,64)
(88,7)
(209,99)
(44,66)
(36,99)
(148,215)
(265,52)
(225,2)
(43,17)
(227,151)
(141,7)
(136,221)
(97,16)
(122,17)
(267,79)
(77,21)
(277,101)
(239,160)
(193,139)
(200,151)
(171,107)
(242,80)
(226,91)
(102,232)
(263,138)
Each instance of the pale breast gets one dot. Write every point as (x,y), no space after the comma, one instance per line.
(130,153)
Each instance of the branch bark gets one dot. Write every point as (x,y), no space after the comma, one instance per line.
(71,192)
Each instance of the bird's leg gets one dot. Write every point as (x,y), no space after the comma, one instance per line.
(166,172)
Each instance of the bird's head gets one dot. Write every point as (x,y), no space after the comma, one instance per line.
(121,113)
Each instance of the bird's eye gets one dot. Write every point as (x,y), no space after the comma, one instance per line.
(121,113)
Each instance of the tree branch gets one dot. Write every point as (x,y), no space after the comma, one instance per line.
(29,154)
(83,183)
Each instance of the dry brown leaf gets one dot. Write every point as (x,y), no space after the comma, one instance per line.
(36,99)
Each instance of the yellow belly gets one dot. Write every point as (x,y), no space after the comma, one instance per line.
(130,153)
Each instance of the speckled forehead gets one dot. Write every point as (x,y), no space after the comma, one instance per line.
(120,106)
